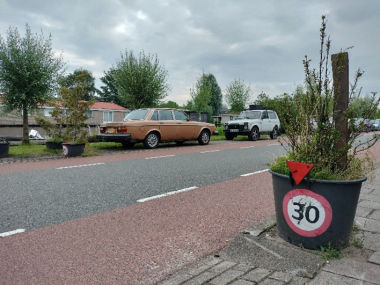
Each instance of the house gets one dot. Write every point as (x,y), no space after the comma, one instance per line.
(100,112)
(224,118)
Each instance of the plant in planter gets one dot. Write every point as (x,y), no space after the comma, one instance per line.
(4,147)
(75,133)
(54,129)
(324,138)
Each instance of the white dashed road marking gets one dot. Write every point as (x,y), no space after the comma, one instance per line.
(83,165)
(6,234)
(244,147)
(207,151)
(161,156)
(167,194)
(253,173)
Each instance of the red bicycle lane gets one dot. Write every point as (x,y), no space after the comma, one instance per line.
(138,244)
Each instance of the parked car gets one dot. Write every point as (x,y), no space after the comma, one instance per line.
(375,126)
(253,123)
(154,125)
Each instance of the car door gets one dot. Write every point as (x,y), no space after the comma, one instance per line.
(185,129)
(266,125)
(273,120)
(167,124)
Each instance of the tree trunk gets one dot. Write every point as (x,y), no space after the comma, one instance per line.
(25,125)
(341,92)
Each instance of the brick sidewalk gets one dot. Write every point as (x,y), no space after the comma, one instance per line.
(360,264)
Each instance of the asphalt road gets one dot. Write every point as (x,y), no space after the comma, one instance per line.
(39,198)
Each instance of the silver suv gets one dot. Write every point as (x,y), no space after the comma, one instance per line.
(253,123)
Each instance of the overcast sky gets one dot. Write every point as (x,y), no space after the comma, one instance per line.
(260,42)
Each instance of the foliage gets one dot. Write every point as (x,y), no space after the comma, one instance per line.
(169,104)
(237,95)
(141,81)
(76,109)
(54,130)
(361,107)
(216,94)
(312,136)
(329,252)
(28,72)
(87,82)
(201,95)
(108,92)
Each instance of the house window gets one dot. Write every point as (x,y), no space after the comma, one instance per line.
(89,113)
(47,112)
(107,116)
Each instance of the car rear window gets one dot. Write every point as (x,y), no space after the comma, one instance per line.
(138,114)
(272,115)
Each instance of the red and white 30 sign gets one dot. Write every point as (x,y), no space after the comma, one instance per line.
(307,213)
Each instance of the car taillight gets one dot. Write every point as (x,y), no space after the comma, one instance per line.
(103,130)
(122,130)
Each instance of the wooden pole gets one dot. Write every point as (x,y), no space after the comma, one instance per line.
(341,92)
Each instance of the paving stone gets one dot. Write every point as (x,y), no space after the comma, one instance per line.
(299,281)
(221,267)
(370,197)
(367,190)
(372,225)
(363,212)
(243,267)
(375,258)
(358,270)
(203,265)
(369,204)
(256,274)
(270,281)
(226,277)
(372,241)
(281,276)
(375,215)
(176,279)
(242,282)
(200,279)
(328,278)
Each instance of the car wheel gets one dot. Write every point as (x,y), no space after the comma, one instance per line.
(229,136)
(127,144)
(152,140)
(254,134)
(204,137)
(274,134)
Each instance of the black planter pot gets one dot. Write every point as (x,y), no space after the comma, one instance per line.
(315,213)
(71,150)
(4,149)
(54,145)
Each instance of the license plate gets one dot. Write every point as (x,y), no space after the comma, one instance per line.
(111,130)
(234,131)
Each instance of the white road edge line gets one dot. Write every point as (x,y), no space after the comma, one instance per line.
(252,146)
(272,144)
(161,156)
(253,173)
(6,234)
(82,165)
(207,151)
(167,194)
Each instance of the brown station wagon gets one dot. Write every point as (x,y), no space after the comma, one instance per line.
(155,125)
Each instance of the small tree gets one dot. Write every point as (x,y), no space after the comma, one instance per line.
(142,81)
(108,92)
(237,95)
(87,82)
(28,72)
(216,94)
(201,95)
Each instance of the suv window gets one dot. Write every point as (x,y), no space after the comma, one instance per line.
(180,116)
(264,115)
(272,115)
(165,115)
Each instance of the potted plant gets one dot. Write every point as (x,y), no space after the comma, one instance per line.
(75,133)
(321,141)
(4,147)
